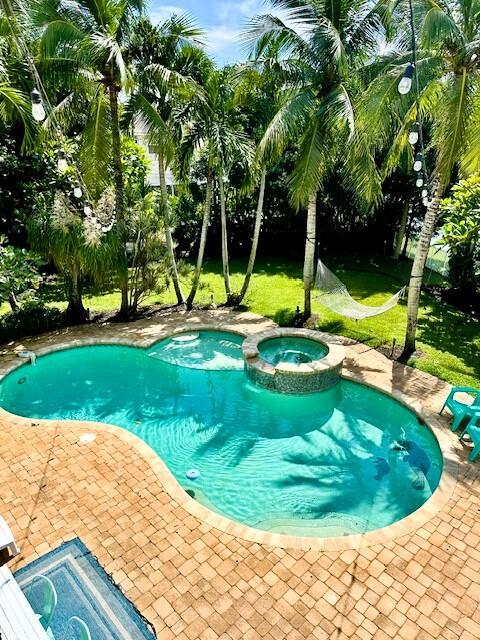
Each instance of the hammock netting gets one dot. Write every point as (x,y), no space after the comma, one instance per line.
(334,295)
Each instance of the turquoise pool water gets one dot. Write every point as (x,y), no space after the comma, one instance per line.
(347,460)
(291,350)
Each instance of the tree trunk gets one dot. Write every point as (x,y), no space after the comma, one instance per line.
(416,276)
(401,231)
(203,242)
(256,236)
(309,263)
(119,192)
(408,233)
(76,312)
(223,221)
(13,302)
(168,232)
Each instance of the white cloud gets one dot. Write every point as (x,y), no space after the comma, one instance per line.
(163,12)
(228,11)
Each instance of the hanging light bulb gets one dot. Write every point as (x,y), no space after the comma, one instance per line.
(417,165)
(413,135)
(419,181)
(87,210)
(426,202)
(405,83)
(424,193)
(38,111)
(62,164)
(77,190)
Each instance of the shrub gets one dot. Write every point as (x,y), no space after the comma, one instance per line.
(30,320)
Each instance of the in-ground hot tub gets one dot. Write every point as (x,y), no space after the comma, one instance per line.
(293,360)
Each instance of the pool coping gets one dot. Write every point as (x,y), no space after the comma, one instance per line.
(415,520)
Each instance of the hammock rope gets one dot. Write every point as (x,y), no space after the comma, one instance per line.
(334,295)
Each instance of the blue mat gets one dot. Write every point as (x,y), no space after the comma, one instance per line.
(85,590)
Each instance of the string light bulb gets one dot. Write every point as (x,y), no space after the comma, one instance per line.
(77,190)
(414,133)
(424,193)
(62,164)
(38,110)
(87,210)
(405,83)
(417,165)
(419,181)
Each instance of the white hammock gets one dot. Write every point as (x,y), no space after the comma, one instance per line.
(334,295)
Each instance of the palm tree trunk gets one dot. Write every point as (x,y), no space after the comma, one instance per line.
(416,276)
(76,311)
(223,221)
(401,231)
(13,302)
(256,236)
(119,192)
(309,263)
(203,242)
(168,232)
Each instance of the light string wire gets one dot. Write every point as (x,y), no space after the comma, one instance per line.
(424,172)
(38,84)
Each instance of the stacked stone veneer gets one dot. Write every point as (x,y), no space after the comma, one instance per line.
(317,375)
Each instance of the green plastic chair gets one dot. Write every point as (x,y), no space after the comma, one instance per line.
(79,626)
(460,410)
(473,430)
(48,601)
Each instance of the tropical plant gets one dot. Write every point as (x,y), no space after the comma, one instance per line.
(171,51)
(85,44)
(460,219)
(76,249)
(14,73)
(18,273)
(446,97)
(213,129)
(320,44)
(258,93)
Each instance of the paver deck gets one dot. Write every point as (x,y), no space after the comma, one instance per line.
(195,581)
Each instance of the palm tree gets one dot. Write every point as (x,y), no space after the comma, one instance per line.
(85,42)
(446,98)
(258,92)
(212,127)
(15,83)
(166,57)
(61,236)
(321,45)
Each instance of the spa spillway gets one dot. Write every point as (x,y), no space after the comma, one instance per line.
(293,360)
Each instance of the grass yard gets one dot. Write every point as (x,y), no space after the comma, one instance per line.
(448,340)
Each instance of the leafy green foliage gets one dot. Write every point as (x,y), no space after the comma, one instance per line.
(30,319)
(18,273)
(460,215)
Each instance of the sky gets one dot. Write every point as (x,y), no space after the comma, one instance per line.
(222,20)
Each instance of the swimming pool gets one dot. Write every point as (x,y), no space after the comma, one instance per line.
(342,461)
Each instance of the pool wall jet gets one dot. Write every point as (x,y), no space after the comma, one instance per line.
(318,373)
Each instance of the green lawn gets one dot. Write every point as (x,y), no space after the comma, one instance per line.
(448,340)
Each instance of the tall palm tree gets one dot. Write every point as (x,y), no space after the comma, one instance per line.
(446,97)
(212,127)
(170,52)
(322,43)
(86,41)
(258,91)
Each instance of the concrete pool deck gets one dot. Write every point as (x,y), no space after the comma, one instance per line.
(195,578)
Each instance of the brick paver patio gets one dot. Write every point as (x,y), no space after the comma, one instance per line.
(193,581)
